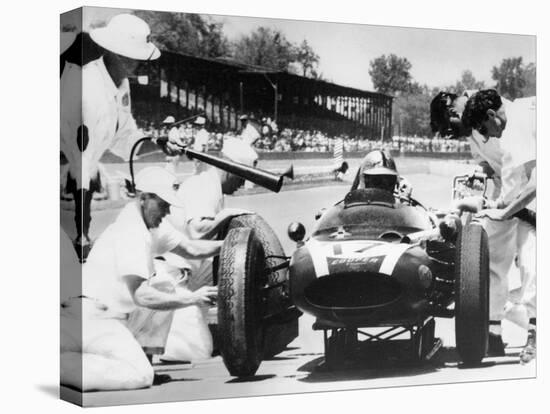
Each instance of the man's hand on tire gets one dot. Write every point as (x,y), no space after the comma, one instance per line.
(206,295)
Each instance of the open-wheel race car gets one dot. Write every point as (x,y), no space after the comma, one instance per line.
(379,267)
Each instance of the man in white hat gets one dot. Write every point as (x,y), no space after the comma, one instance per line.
(201,135)
(95,110)
(98,352)
(202,216)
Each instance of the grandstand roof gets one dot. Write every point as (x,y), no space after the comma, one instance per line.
(273,75)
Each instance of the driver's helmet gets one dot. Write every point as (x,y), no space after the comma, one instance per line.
(379,171)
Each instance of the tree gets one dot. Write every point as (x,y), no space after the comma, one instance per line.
(530,75)
(186,33)
(265,47)
(307,59)
(468,82)
(509,77)
(390,74)
(411,114)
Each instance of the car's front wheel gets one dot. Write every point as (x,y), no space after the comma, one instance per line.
(241,306)
(472,293)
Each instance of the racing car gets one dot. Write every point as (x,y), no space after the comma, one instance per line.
(379,267)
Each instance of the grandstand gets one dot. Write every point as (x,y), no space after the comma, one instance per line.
(184,85)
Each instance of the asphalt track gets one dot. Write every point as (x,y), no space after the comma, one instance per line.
(300,368)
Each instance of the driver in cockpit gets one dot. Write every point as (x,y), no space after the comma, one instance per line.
(378,170)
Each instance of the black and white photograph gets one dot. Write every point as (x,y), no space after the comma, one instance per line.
(254,206)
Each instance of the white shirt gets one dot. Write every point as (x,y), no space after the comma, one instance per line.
(519,144)
(201,140)
(201,195)
(126,247)
(90,98)
(489,151)
(174,135)
(250,134)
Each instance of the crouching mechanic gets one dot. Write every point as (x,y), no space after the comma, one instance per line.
(98,352)
(513,124)
(202,217)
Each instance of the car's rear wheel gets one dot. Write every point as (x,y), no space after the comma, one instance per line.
(241,307)
(472,294)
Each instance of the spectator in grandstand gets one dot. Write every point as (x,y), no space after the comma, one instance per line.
(201,135)
(266,128)
(170,130)
(186,133)
(249,133)
(96,111)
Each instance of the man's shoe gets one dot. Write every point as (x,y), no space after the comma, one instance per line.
(529,352)
(496,346)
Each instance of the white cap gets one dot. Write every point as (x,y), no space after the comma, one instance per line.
(67,39)
(126,35)
(200,120)
(237,150)
(161,182)
(169,120)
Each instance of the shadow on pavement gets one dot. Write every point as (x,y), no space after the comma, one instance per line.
(280,358)
(387,367)
(252,378)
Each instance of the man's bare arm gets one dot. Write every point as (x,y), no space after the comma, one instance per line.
(147,296)
(207,227)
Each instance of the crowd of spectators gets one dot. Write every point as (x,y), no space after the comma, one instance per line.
(425,144)
(285,140)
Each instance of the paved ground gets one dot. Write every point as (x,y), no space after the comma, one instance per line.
(299,368)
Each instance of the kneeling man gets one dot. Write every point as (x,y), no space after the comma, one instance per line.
(98,351)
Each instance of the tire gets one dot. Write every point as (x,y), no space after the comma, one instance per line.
(240,303)
(278,302)
(472,294)
(272,247)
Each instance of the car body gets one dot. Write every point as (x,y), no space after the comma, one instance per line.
(378,260)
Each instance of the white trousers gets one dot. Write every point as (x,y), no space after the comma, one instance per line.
(189,338)
(98,352)
(506,240)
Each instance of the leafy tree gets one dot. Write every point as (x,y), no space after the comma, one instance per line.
(308,60)
(510,77)
(186,33)
(530,75)
(467,82)
(411,113)
(265,47)
(390,74)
